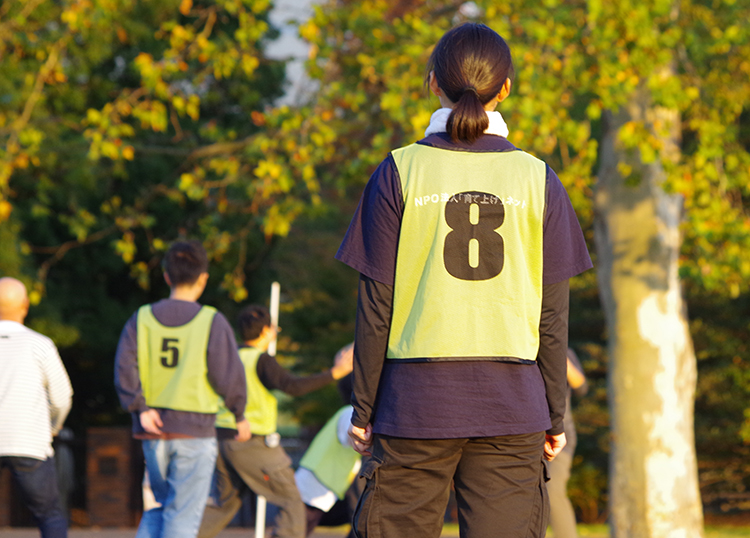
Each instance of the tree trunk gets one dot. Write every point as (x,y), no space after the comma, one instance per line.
(652,370)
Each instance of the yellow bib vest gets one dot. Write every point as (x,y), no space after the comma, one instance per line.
(333,464)
(172,362)
(468,279)
(262,407)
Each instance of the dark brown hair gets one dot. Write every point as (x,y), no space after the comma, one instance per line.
(184,262)
(251,320)
(471,63)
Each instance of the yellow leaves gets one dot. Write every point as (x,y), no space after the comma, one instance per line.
(144,62)
(109,149)
(140,272)
(193,107)
(125,247)
(234,284)
(186,6)
(35,297)
(368,70)
(391,101)
(75,15)
(317,139)
(225,166)
(732,33)
(309,30)
(635,134)
(30,137)
(277,222)
(186,181)
(93,116)
(189,106)
(56,77)
(180,36)
(152,114)
(731,162)
(108,207)
(260,6)
(5,210)
(249,64)
(106,132)
(624,169)
(79,223)
(420,121)
(269,169)
(225,63)
(308,174)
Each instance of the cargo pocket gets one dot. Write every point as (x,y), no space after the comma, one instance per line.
(540,511)
(365,522)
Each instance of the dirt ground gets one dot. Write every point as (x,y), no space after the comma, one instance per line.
(7,532)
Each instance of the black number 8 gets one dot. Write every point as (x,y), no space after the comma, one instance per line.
(489,245)
(166,345)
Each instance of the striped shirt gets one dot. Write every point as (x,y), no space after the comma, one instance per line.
(35,392)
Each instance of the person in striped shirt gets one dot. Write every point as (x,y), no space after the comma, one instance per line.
(35,397)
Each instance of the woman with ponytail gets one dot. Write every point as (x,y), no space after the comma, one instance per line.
(464,245)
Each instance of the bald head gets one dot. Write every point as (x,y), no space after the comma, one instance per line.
(14,302)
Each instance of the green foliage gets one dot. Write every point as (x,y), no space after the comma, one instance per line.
(721,331)
(140,122)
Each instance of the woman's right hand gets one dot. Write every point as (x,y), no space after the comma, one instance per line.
(361,438)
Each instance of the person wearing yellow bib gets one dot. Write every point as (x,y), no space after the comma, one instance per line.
(175,361)
(327,472)
(464,244)
(261,464)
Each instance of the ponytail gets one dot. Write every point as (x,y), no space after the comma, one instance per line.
(468,120)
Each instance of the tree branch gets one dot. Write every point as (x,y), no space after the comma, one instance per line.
(36,93)
(219,148)
(58,252)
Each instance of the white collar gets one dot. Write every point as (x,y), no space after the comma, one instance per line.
(439,119)
(11,326)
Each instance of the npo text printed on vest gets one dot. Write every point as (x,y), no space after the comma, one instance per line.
(484,199)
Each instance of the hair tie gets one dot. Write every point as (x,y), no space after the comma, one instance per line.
(471,89)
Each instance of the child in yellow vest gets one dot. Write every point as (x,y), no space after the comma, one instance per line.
(176,358)
(261,464)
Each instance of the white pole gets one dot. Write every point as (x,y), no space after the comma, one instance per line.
(274,311)
(260,508)
(260,517)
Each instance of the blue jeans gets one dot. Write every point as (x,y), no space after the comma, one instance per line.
(37,480)
(180,472)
